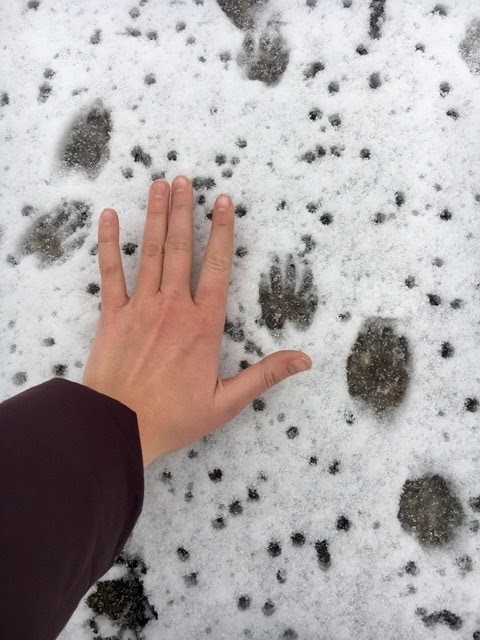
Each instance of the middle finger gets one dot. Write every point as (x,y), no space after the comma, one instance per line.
(177,265)
(151,261)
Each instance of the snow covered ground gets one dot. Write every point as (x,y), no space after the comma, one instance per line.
(346,502)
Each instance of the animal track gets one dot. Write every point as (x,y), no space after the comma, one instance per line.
(263,57)
(377,12)
(267,59)
(430,510)
(53,236)
(377,367)
(281,300)
(241,12)
(123,601)
(444,616)
(470,46)
(85,145)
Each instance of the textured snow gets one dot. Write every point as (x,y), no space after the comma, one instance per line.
(347,133)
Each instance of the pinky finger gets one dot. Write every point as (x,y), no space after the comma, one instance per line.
(113,288)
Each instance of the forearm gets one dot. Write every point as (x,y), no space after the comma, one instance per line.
(71,478)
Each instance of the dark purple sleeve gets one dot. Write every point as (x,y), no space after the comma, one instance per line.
(71,490)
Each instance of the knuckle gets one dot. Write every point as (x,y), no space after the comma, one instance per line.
(108,269)
(171,299)
(152,250)
(269,378)
(181,210)
(105,238)
(216,263)
(204,325)
(221,222)
(177,244)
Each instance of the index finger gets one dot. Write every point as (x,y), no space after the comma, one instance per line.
(212,288)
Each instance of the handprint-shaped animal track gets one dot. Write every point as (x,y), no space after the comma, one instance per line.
(264,57)
(85,146)
(280,299)
(267,59)
(53,236)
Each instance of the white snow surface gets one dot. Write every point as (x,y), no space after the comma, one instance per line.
(200,106)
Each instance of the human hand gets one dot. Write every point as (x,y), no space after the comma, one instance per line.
(157,351)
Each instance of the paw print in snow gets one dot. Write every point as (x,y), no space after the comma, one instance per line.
(430,510)
(266,60)
(264,57)
(123,601)
(85,146)
(240,12)
(55,236)
(378,366)
(470,46)
(281,299)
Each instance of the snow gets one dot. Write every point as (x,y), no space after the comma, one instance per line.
(422,135)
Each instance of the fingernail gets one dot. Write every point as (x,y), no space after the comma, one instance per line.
(159,188)
(223,202)
(107,216)
(180,183)
(298,365)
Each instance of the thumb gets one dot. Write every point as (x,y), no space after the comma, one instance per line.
(236,392)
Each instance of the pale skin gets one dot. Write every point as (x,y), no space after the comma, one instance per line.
(157,351)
